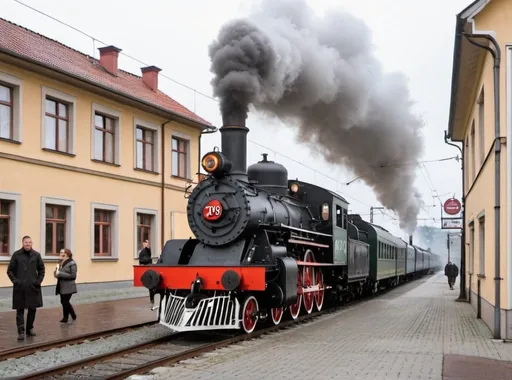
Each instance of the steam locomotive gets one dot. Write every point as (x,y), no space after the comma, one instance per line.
(265,245)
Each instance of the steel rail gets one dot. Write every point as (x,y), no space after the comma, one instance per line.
(68,367)
(192,352)
(175,357)
(25,350)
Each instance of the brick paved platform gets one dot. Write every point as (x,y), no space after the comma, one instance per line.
(92,317)
(403,334)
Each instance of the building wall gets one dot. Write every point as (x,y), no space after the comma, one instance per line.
(38,176)
(487,314)
(480,173)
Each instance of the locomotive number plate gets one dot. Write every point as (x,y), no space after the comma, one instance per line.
(213,210)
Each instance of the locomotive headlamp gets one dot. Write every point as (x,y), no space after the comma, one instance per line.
(210,162)
(294,188)
(215,163)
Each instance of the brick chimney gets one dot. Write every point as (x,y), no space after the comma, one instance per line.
(108,58)
(150,77)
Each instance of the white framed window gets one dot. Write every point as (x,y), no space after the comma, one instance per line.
(467,185)
(481,125)
(104,231)
(181,163)
(105,135)
(145,227)
(146,145)
(57,226)
(10,211)
(58,121)
(472,153)
(481,244)
(11,95)
(471,247)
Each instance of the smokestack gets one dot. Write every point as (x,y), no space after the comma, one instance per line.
(150,77)
(108,58)
(410,239)
(234,142)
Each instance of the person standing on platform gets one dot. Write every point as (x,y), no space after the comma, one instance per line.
(26,272)
(145,259)
(451,271)
(65,274)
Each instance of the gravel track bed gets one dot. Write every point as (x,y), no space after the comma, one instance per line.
(66,354)
(132,360)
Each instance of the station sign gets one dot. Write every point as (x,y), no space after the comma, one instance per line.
(452,206)
(451,223)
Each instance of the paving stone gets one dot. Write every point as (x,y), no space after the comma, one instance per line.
(403,334)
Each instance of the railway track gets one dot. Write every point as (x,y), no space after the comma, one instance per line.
(142,358)
(25,350)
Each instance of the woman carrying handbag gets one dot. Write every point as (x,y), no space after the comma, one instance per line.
(65,273)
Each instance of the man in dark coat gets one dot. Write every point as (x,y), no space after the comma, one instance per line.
(145,254)
(26,271)
(145,259)
(451,271)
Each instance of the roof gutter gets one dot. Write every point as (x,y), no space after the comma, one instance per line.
(455,72)
(465,16)
(195,123)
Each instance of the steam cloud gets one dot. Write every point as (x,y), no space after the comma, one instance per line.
(321,75)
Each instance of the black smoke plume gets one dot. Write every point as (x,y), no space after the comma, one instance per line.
(320,74)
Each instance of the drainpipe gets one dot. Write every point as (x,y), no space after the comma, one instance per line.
(462,294)
(508,166)
(162,187)
(496,54)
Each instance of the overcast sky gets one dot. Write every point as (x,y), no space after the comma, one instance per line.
(412,36)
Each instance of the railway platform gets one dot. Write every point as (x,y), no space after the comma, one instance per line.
(416,331)
(91,318)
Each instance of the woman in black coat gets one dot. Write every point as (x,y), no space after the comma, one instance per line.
(66,285)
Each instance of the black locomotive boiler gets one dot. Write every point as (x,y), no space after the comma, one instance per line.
(263,246)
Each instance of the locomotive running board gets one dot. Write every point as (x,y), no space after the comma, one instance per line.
(315,264)
(304,231)
(305,242)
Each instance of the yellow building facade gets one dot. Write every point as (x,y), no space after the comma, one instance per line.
(92,158)
(487,158)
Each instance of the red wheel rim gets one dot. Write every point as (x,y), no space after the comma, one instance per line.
(249,320)
(295,309)
(277,314)
(319,295)
(309,298)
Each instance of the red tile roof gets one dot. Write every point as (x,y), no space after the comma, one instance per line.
(50,53)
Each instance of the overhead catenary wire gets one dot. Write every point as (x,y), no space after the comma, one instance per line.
(315,171)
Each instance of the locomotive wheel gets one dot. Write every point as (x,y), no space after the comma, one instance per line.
(319,295)
(295,309)
(308,280)
(277,314)
(249,314)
